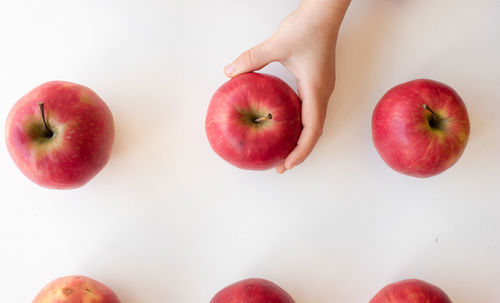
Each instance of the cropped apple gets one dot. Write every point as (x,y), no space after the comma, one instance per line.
(252,291)
(420,128)
(254,121)
(76,289)
(60,134)
(410,291)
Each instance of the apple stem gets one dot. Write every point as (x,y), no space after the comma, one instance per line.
(263,118)
(50,133)
(429,109)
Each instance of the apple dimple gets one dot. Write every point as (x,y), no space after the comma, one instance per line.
(435,120)
(255,118)
(39,133)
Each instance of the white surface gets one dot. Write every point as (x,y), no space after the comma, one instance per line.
(168,221)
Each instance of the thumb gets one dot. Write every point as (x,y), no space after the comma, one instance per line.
(250,60)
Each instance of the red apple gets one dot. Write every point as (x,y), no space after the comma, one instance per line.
(76,289)
(410,291)
(253,121)
(420,128)
(60,134)
(252,291)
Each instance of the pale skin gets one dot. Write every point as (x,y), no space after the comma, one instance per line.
(304,43)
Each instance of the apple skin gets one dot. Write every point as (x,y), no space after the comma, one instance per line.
(83,135)
(76,289)
(402,131)
(410,291)
(230,122)
(252,291)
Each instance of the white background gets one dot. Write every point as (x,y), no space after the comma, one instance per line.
(169,221)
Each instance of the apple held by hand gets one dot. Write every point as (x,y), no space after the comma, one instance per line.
(410,291)
(60,134)
(254,121)
(252,291)
(76,289)
(420,128)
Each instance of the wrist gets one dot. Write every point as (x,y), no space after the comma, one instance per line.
(324,15)
(341,5)
(333,10)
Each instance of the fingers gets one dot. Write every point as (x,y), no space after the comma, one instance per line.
(313,117)
(280,168)
(252,59)
(308,139)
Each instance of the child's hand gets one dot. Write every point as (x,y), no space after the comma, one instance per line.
(305,44)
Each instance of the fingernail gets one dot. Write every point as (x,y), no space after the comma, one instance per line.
(229,69)
(280,169)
